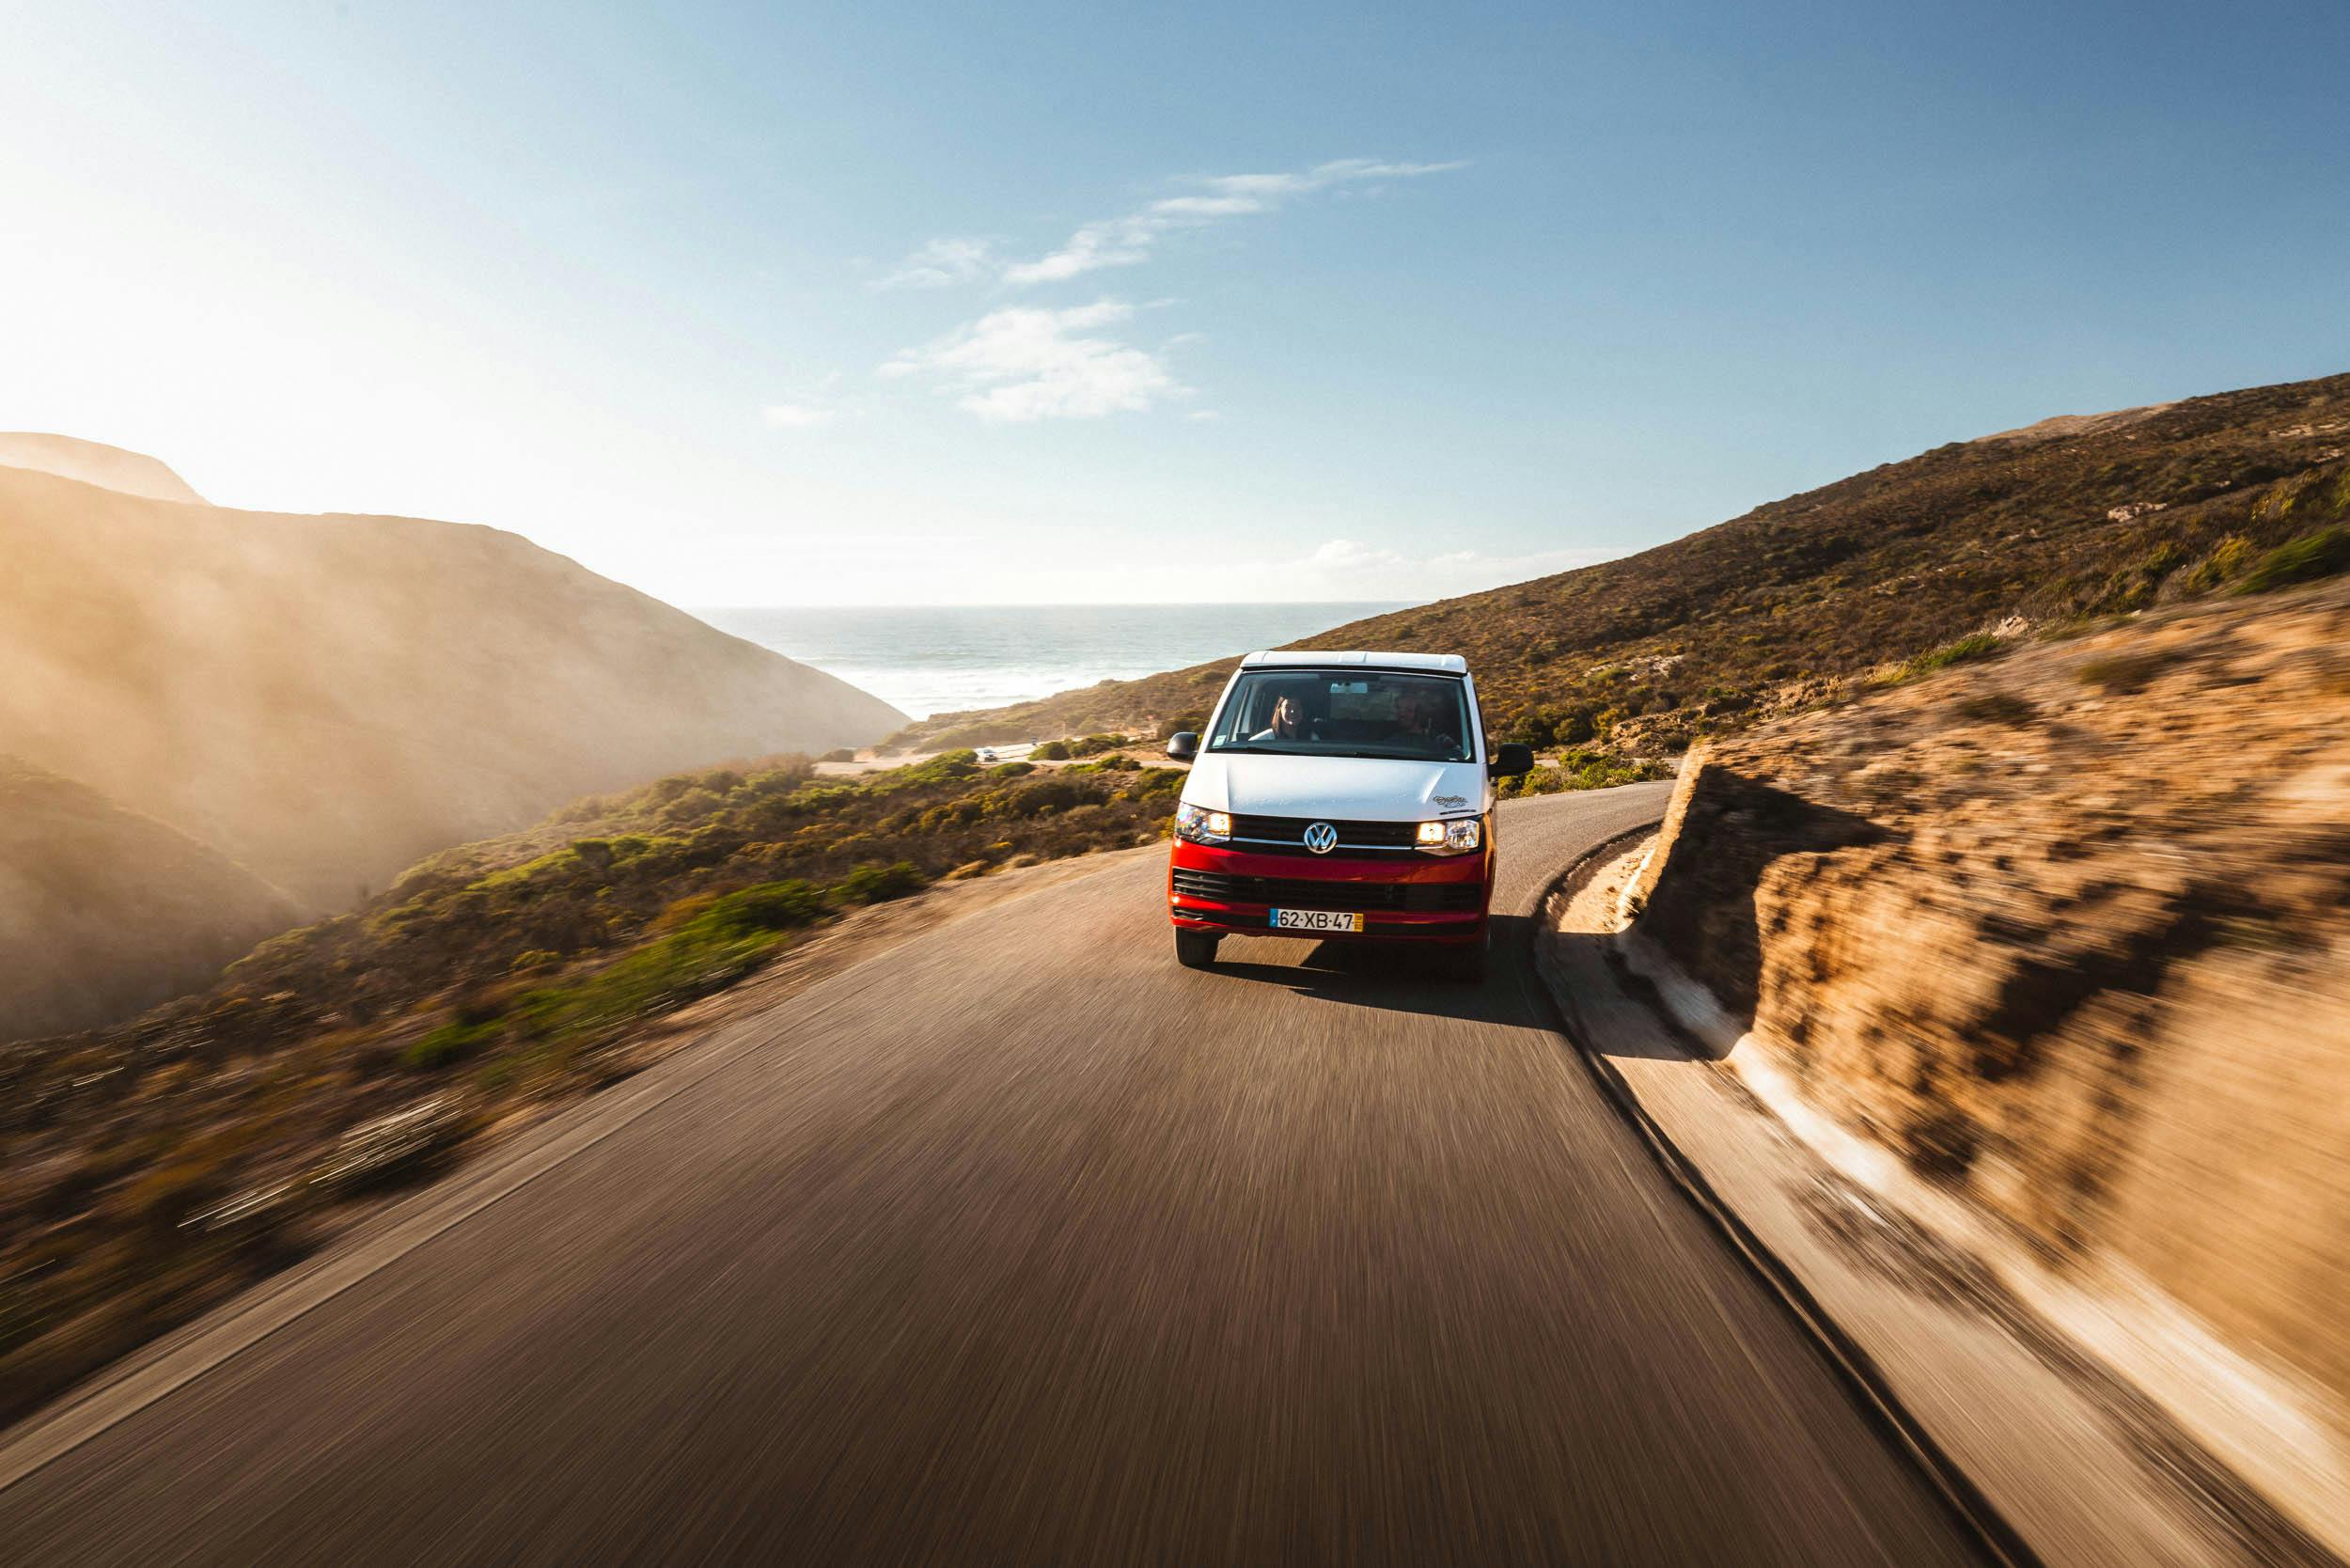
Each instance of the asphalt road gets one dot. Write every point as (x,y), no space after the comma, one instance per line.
(1021,1243)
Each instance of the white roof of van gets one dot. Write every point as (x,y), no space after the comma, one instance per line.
(1453,663)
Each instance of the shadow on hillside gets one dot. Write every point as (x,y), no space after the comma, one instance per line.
(1393,976)
(1703,912)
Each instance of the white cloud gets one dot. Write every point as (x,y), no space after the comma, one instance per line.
(1208,207)
(1349,568)
(1019,365)
(797,416)
(1119,242)
(1123,241)
(941,262)
(1204,415)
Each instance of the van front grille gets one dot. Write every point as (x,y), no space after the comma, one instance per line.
(1277,892)
(1287,836)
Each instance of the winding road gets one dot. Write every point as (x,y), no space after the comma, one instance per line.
(1019,1243)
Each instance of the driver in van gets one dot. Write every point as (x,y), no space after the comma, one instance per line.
(1416,721)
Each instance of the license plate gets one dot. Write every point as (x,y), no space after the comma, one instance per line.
(1315,920)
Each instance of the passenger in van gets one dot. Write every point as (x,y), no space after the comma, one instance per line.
(1288,722)
(1416,720)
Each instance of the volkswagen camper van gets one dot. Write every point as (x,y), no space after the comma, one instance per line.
(1345,796)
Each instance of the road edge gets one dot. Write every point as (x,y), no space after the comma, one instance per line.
(1863,1380)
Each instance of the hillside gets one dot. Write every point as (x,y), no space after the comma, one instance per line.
(104,912)
(2048,526)
(2066,929)
(324,699)
(94,462)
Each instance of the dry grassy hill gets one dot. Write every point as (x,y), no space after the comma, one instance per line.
(324,699)
(104,912)
(2060,523)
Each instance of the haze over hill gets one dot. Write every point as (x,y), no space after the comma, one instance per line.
(95,462)
(326,698)
(104,912)
(2074,517)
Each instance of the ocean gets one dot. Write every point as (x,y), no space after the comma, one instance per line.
(945,659)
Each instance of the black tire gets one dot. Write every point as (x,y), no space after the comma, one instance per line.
(1468,962)
(1196,949)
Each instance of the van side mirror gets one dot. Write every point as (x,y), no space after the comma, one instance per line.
(1510,760)
(1182,745)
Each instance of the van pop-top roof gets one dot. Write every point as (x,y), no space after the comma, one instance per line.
(1449,664)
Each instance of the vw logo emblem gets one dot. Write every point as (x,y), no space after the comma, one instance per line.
(1321,838)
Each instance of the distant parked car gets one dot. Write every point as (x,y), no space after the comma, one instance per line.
(1345,795)
(987,754)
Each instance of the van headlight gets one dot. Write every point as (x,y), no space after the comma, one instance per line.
(1456,837)
(1202,826)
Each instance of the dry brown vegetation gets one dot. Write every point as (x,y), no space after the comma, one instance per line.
(2057,526)
(2069,929)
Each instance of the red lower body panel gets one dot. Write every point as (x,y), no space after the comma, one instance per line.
(1418,897)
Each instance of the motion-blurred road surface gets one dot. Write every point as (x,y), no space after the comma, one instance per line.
(1021,1243)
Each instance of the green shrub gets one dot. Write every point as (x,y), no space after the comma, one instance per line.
(1012,770)
(1529,728)
(451,1041)
(2226,559)
(1588,770)
(1093,746)
(840,754)
(2299,560)
(1052,751)
(871,884)
(2134,586)
(767,906)
(1982,645)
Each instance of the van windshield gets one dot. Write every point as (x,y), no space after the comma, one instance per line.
(1313,712)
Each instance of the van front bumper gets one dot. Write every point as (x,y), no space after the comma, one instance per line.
(1416,898)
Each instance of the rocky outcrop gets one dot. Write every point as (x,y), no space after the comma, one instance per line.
(2069,929)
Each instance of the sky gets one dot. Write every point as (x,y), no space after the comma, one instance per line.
(1020,304)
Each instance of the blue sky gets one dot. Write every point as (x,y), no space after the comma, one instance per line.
(1025,304)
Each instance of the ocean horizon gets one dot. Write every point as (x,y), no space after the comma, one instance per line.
(950,658)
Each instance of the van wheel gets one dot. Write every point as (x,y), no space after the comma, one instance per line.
(1468,962)
(1196,949)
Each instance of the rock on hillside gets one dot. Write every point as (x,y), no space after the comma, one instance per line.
(94,462)
(104,912)
(325,700)
(2076,516)
(2069,930)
